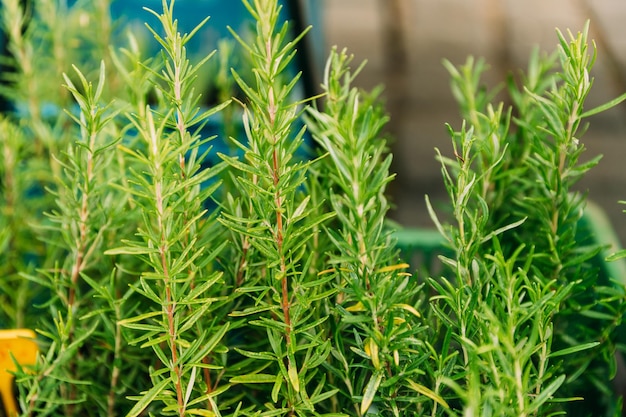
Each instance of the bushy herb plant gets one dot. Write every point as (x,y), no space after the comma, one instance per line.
(165,277)
(533,322)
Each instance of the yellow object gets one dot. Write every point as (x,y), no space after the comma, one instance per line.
(18,344)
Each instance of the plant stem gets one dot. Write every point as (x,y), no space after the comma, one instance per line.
(84,214)
(117,356)
(170,305)
(279,240)
(163,251)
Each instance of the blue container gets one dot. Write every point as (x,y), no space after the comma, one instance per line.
(230,13)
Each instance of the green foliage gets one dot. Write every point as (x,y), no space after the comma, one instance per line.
(166,278)
(526,306)
(377,320)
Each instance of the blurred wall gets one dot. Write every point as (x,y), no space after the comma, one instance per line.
(405,41)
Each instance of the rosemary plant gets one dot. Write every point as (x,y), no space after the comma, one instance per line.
(378,323)
(274,221)
(525,294)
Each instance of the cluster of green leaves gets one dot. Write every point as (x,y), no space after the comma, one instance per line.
(531,321)
(177,236)
(377,355)
(272,222)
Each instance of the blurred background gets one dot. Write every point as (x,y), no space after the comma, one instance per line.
(404,42)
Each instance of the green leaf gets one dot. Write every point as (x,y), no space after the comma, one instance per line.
(617,255)
(278,383)
(198,313)
(131,250)
(140,317)
(370,391)
(252,310)
(574,349)
(253,379)
(503,229)
(211,344)
(292,371)
(147,398)
(546,394)
(200,412)
(156,341)
(598,315)
(267,356)
(603,107)
(428,393)
(323,396)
